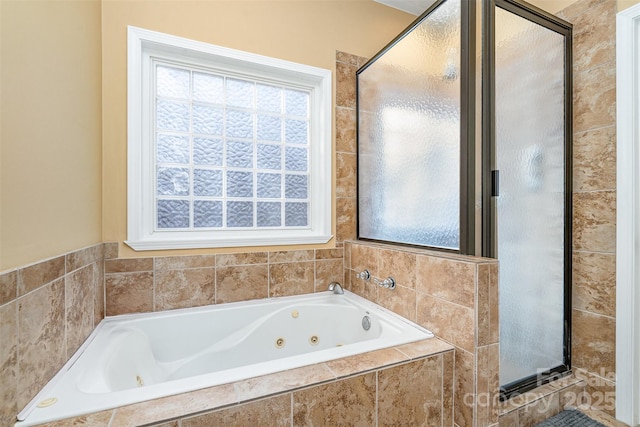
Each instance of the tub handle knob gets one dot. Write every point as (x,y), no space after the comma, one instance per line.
(364,275)
(388,283)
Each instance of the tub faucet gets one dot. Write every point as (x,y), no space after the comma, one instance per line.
(335,288)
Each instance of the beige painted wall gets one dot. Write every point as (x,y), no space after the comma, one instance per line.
(50,141)
(625,4)
(305,31)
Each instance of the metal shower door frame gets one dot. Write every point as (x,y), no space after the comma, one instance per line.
(489,214)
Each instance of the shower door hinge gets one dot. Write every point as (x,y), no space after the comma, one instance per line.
(495,183)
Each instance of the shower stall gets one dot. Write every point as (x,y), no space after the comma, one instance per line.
(464,146)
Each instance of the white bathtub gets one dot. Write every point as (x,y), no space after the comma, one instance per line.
(137,357)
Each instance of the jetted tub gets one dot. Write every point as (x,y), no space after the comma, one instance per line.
(137,357)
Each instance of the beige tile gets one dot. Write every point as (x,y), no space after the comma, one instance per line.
(191,287)
(128,265)
(293,278)
(464,388)
(448,366)
(8,364)
(450,280)
(348,277)
(510,419)
(41,345)
(80,303)
(345,130)
(346,175)
(425,348)
(280,382)
(351,401)
(487,384)
(594,98)
(181,262)
(345,219)
(365,361)
(594,159)
(593,342)
(169,424)
(327,254)
(369,290)
(451,322)
(347,254)
(400,265)
(347,58)
(225,260)
(594,221)
(242,283)
(291,256)
(401,301)
(411,391)
(345,85)
(128,293)
(600,392)
(111,250)
(99,293)
(494,303)
(487,311)
(275,411)
(579,7)
(34,276)
(166,408)
(8,287)
(593,40)
(594,283)
(573,397)
(364,257)
(530,397)
(362,60)
(538,411)
(328,271)
(83,257)
(98,419)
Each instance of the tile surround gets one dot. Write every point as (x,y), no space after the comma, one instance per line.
(161,283)
(530,408)
(594,85)
(312,395)
(47,310)
(468,320)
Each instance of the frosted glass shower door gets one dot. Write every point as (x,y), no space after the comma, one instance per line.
(409,118)
(530,157)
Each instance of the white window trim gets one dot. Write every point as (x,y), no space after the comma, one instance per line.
(143,47)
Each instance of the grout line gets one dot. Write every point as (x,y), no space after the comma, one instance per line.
(582,251)
(593,313)
(613,125)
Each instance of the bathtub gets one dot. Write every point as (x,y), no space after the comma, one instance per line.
(137,357)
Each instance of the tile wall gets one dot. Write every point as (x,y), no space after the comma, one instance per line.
(594,222)
(455,297)
(139,285)
(46,311)
(366,389)
(594,198)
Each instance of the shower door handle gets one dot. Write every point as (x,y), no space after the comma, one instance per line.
(495,183)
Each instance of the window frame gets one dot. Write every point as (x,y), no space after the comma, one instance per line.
(144,48)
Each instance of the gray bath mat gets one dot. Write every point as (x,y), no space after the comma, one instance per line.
(570,418)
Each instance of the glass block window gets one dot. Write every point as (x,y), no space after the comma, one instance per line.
(226,148)
(230,152)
